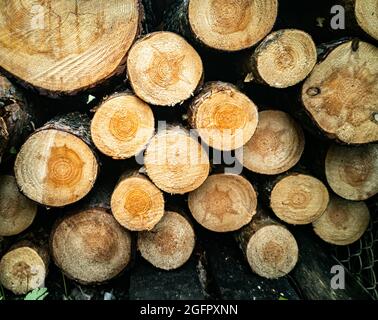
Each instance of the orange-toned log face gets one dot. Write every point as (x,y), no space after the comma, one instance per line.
(66,45)
(55,168)
(122,126)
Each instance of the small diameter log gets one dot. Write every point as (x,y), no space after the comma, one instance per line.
(16,117)
(122,126)
(224,117)
(276,146)
(341,93)
(24,268)
(223,24)
(363,13)
(283,59)
(16,211)
(163,69)
(56,165)
(170,244)
(297,198)
(225,202)
(137,204)
(176,162)
(352,172)
(64,46)
(90,246)
(343,222)
(271,250)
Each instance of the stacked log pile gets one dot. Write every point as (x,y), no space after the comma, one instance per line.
(165,151)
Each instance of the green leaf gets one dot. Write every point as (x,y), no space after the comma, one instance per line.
(37,294)
(13,150)
(282,298)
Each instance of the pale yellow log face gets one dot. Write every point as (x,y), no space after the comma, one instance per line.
(66,45)
(91,247)
(55,168)
(232,25)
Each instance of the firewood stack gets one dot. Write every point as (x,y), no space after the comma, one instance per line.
(163,151)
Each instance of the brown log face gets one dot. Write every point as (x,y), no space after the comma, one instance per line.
(366,12)
(137,204)
(276,146)
(90,246)
(272,251)
(299,199)
(65,46)
(55,168)
(341,93)
(122,126)
(343,222)
(225,202)
(176,162)
(164,69)
(285,58)
(224,117)
(170,244)
(352,172)
(22,270)
(231,25)
(16,211)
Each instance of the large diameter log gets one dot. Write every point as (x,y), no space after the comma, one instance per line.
(224,117)
(163,69)
(16,211)
(296,198)
(122,126)
(24,268)
(170,244)
(283,59)
(352,172)
(64,46)
(341,93)
(176,162)
(137,204)
(56,165)
(16,117)
(225,202)
(90,246)
(343,222)
(276,146)
(363,13)
(222,24)
(271,250)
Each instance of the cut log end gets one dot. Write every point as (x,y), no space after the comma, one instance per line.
(285,58)
(176,162)
(65,46)
(272,251)
(225,202)
(16,211)
(352,172)
(299,199)
(366,12)
(164,69)
(170,244)
(224,117)
(22,270)
(342,91)
(122,126)
(55,168)
(231,25)
(276,146)
(343,222)
(90,246)
(137,204)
